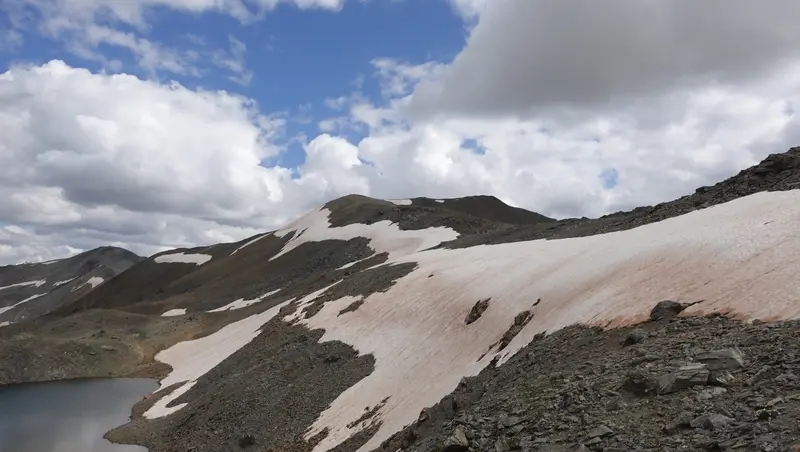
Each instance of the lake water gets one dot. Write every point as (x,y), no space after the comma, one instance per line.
(68,416)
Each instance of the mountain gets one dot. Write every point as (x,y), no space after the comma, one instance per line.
(465,324)
(28,291)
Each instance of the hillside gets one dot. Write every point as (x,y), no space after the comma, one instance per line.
(28,291)
(424,325)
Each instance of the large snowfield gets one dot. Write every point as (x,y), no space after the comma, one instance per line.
(740,258)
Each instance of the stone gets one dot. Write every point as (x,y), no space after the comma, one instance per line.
(711,421)
(635,336)
(501,445)
(457,442)
(600,431)
(684,377)
(709,394)
(108,348)
(666,309)
(640,383)
(477,311)
(246,441)
(726,359)
(720,378)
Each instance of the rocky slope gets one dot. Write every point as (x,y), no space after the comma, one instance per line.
(353,327)
(28,291)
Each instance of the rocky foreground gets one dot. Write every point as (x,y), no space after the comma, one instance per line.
(695,383)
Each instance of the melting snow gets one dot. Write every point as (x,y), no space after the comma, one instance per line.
(181,258)
(242,303)
(191,360)
(250,242)
(2,324)
(729,255)
(384,236)
(174,312)
(94,281)
(741,257)
(37,283)
(8,308)
(400,202)
(61,283)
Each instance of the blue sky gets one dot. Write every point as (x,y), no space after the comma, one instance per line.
(298,58)
(283,105)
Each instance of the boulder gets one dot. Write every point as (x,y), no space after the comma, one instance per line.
(726,359)
(684,377)
(457,442)
(666,309)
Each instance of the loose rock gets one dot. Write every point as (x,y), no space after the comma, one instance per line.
(666,309)
(683,378)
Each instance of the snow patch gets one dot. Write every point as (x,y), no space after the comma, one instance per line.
(191,360)
(440,201)
(384,236)
(181,258)
(160,409)
(61,283)
(94,281)
(242,303)
(251,242)
(2,324)
(348,265)
(400,202)
(37,283)
(728,255)
(174,313)
(33,297)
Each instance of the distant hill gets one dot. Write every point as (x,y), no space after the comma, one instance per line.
(28,291)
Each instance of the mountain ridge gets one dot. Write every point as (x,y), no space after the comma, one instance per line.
(384,325)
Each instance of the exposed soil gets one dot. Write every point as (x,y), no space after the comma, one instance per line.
(576,390)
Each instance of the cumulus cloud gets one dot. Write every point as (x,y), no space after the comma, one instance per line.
(88,159)
(526,56)
(121,159)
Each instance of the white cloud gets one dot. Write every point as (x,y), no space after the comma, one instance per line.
(174,167)
(528,56)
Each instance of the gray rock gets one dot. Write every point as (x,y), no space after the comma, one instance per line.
(635,336)
(457,441)
(709,394)
(477,311)
(640,383)
(720,378)
(665,309)
(683,378)
(501,445)
(600,432)
(726,359)
(711,421)
(108,348)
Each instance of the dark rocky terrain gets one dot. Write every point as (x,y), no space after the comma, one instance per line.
(61,282)
(576,389)
(651,387)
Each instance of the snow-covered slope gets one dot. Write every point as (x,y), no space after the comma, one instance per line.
(727,256)
(401,282)
(28,291)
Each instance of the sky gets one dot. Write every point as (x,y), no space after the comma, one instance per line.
(158,124)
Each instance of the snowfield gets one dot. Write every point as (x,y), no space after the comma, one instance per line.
(741,257)
(181,258)
(242,303)
(94,281)
(174,313)
(37,283)
(32,297)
